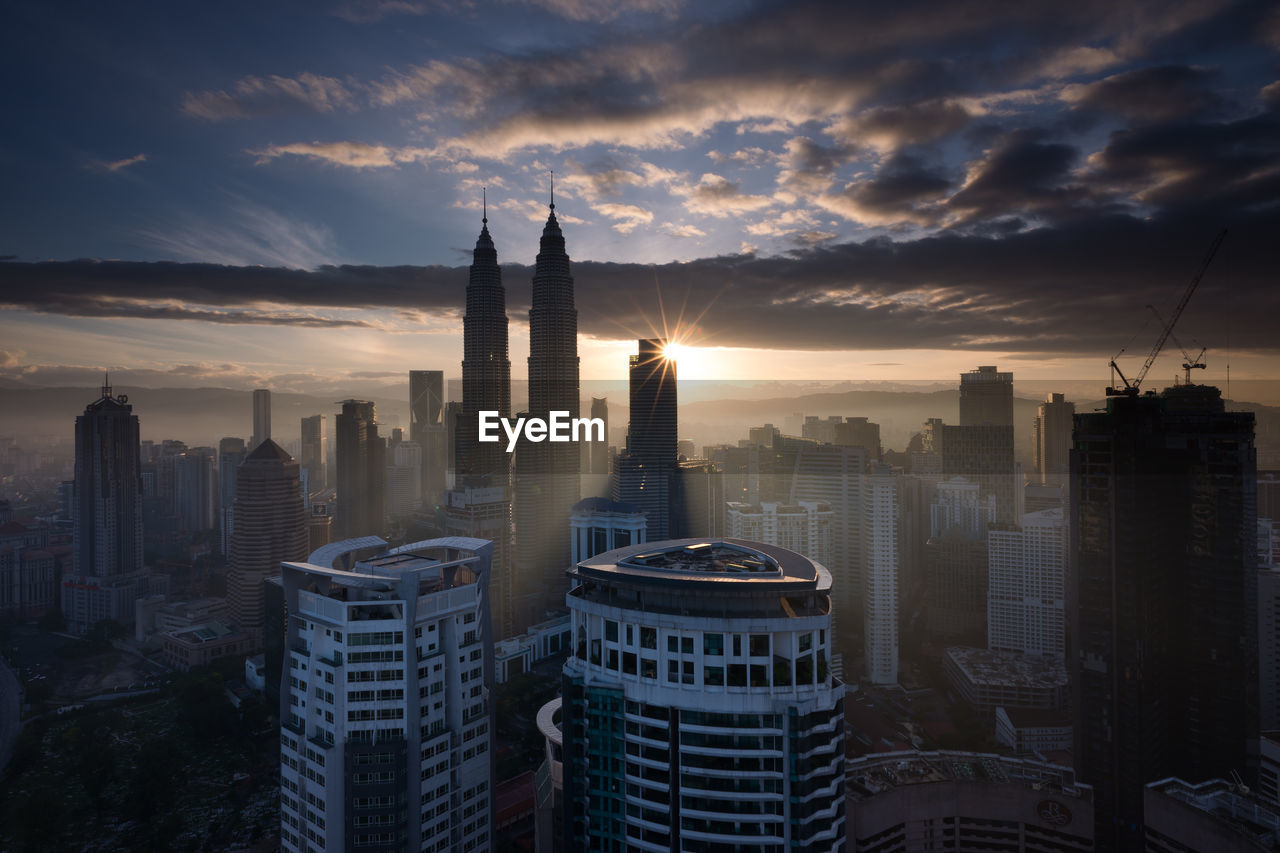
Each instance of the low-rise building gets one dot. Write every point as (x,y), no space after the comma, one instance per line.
(519,654)
(203,644)
(987,679)
(1029,730)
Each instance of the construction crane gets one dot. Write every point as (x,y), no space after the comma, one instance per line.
(1130,389)
(1189,362)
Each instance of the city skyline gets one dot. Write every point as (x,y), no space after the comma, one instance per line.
(900,197)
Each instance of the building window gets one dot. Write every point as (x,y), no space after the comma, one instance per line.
(713,644)
(713,675)
(648,638)
(611,631)
(629,663)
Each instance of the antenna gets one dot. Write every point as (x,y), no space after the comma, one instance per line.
(553,188)
(484,201)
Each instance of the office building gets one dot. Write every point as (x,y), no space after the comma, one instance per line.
(1026,586)
(314,453)
(598,451)
(195,490)
(956,563)
(648,469)
(1051,439)
(29,570)
(599,524)
(982,454)
(404,480)
(763,436)
(428,430)
(231,452)
(702,491)
(261,418)
(822,430)
(699,709)
(858,432)
(986,679)
(361,475)
(986,397)
(385,706)
(270,527)
(547,484)
(1163,553)
(485,513)
(107,574)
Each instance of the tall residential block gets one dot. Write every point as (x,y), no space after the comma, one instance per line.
(700,710)
(881,572)
(385,707)
(107,570)
(261,418)
(1051,438)
(270,527)
(1026,585)
(361,463)
(1164,623)
(986,397)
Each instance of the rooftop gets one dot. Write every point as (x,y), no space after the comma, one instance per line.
(1228,802)
(706,561)
(995,668)
(876,774)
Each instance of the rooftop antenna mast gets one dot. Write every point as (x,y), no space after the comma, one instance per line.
(1130,389)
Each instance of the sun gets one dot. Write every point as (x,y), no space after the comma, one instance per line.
(673,351)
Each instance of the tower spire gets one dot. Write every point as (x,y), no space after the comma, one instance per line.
(484,201)
(106,384)
(553,188)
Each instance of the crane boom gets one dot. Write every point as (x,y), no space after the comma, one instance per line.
(1177,312)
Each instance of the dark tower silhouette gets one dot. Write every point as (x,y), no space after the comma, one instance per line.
(486,370)
(547,484)
(1164,623)
(361,480)
(107,524)
(270,528)
(648,470)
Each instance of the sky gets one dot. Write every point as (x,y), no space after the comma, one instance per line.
(286,194)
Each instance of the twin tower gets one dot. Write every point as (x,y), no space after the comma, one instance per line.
(546,482)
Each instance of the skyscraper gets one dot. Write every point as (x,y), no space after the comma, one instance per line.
(700,710)
(314,452)
(547,483)
(231,452)
(107,564)
(486,369)
(1164,623)
(427,428)
(261,418)
(599,450)
(270,527)
(881,566)
(361,477)
(385,700)
(986,397)
(1051,437)
(404,479)
(480,505)
(648,469)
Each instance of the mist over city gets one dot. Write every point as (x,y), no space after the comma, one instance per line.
(558,425)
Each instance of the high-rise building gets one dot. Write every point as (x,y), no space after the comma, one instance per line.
(1026,585)
(196,492)
(1164,621)
(858,432)
(804,527)
(1269,626)
(270,527)
(486,368)
(261,418)
(107,570)
(648,469)
(700,710)
(231,452)
(385,700)
(1051,438)
(983,454)
(404,480)
(881,565)
(956,562)
(547,484)
(480,505)
(314,453)
(427,428)
(599,450)
(986,397)
(361,461)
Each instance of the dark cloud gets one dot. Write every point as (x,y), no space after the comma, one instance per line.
(905,189)
(1078,287)
(1024,173)
(1161,93)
